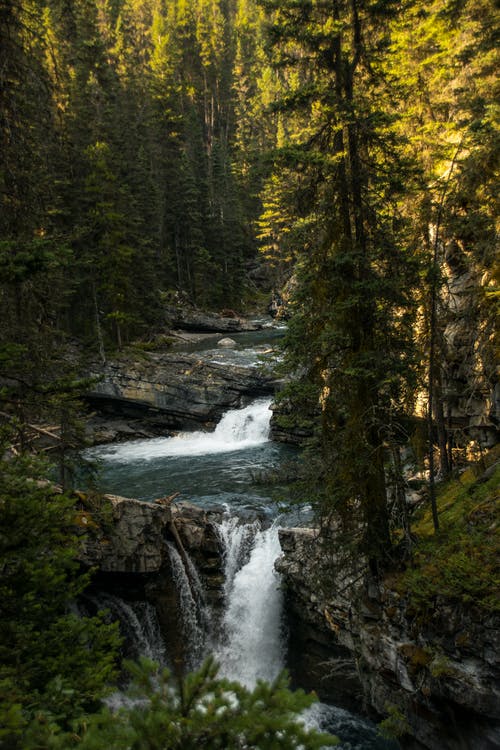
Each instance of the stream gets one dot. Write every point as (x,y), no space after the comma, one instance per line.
(224,469)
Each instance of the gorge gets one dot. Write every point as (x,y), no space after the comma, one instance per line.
(219,569)
(219,592)
(170,172)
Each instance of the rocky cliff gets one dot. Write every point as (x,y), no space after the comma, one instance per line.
(133,545)
(471,390)
(170,391)
(437,671)
(467,360)
(123,535)
(356,642)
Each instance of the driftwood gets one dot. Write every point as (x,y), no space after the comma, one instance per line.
(167,500)
(42,430)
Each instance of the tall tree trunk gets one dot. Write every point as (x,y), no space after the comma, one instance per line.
(442,433)
(100,340)
(430,387)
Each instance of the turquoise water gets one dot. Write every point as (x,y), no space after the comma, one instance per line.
(228,467)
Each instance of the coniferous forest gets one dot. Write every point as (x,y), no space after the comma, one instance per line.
(159,155)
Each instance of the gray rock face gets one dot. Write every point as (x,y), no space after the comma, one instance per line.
(290,426)
(470,380)
(441,672)
(175,390)
(197,530)
(128,539)
(190,319)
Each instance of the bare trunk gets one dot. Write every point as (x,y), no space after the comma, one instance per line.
(100,339)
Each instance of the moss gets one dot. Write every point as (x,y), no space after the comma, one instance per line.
(417,658)
(294,422)
(97,511)
(441,666)
(395,725)
(461,562)
(85,520)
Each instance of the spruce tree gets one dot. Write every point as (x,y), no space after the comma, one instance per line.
(200,710)
(51,660)
(350,334)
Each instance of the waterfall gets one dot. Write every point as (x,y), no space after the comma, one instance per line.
(138,623)
(192,605)
(251,645)
(238,429)
(236,540)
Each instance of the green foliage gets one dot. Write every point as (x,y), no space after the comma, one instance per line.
(395,725)
(51,660)
(462,563)
(200,710)
(350,336)
(440,666)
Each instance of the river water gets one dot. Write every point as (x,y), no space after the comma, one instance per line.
(225,468)
(212,469)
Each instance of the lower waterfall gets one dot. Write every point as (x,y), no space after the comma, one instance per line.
(139,624)
(191,602)
(251,644)
(245,632)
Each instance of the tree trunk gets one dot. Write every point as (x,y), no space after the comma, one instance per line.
(100,339)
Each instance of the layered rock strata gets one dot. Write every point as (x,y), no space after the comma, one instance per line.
(191,319)
(172,391)
(438,670)
(123,535)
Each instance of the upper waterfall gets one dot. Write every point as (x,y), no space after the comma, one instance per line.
(238,429)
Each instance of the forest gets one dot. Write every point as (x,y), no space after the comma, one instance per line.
(213,155)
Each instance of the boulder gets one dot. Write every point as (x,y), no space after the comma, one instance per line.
(191,319)
(226,342)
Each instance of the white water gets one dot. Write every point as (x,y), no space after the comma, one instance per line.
(238,429)
(138,622)
(252,644)
(236,539)
(191,605)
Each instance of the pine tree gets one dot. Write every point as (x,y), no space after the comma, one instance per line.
(202,710)
(51,660)
(350,334)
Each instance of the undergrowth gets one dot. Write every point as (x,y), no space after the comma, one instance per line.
(461,562)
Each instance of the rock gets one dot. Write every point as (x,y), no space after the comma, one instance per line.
(197,531)
(189,319)
(126,536)
(469,368)
(226,342)
(441,674)
(291,425)
(102,430)
(171,391)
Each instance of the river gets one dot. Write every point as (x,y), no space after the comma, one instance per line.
(225,468)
